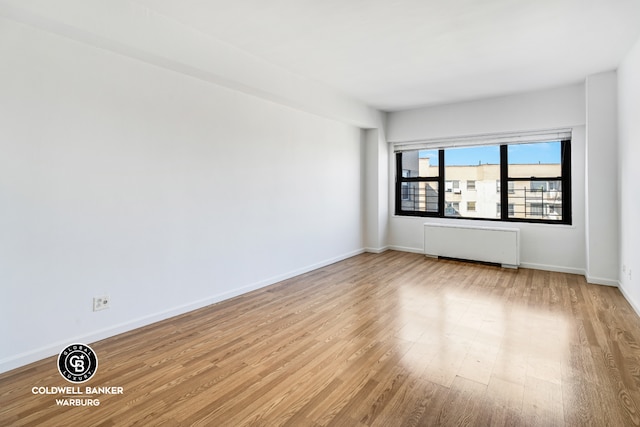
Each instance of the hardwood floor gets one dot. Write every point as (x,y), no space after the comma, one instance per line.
(392,339)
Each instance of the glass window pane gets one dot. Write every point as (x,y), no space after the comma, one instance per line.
(536,200)
(472,182)
(542,159)
(420,197)
(420,163)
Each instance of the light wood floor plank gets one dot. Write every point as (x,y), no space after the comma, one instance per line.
(391,339)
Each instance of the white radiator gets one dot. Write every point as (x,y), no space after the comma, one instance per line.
(489,244)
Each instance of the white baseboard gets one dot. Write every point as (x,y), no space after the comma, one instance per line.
(626,296)
(534,266)
(556,268)
(376,250)
(52,349)
(602,281)
(407,249)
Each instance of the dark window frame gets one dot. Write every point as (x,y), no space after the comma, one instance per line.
(565,182)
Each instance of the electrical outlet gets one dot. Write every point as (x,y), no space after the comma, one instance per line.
(101,303)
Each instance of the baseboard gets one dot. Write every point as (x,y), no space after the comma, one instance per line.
(626,296)
(407,249)
(556,268)
(522,265)
(377,250)
(601,281)
(54,348)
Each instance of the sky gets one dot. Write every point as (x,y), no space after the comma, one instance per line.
(544,152)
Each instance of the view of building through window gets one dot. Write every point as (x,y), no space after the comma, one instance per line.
(479,166)
(472,181)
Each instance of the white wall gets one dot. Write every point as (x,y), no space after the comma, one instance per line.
(377,194)
(602,179)
(629,174)
(133,29)
(544,246)
(163,191)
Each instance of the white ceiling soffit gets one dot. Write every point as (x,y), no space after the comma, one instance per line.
(390,54)
(399,54)
(133,30)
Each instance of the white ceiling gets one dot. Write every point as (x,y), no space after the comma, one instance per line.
(399,54)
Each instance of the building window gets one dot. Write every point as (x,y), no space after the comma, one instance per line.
(452,209)
(452,187)
(535,209)
(406,195)
(537,176)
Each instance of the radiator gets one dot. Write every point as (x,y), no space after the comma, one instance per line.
(488,244)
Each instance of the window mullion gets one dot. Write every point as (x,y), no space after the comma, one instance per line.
(441,188)
(566,181)
(504,183)
(398,183)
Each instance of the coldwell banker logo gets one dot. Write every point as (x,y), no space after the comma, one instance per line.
(77,363)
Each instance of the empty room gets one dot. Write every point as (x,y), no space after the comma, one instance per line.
(319,213)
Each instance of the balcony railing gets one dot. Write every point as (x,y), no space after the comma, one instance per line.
(416,199)
(523,203)
(535,204)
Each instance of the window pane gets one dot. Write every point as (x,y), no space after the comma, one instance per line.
(420,196)
(420,163)
(472,181)
(536,200)
(471,184)
(534,160)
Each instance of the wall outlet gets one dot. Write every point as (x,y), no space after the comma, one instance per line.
(101,303)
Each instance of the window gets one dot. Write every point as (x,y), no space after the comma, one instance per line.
(535,172)
(406,191)
(535,209)
(537,177)
(420,183)
(476,165)
(406,188)
(452,209)
(452,187)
